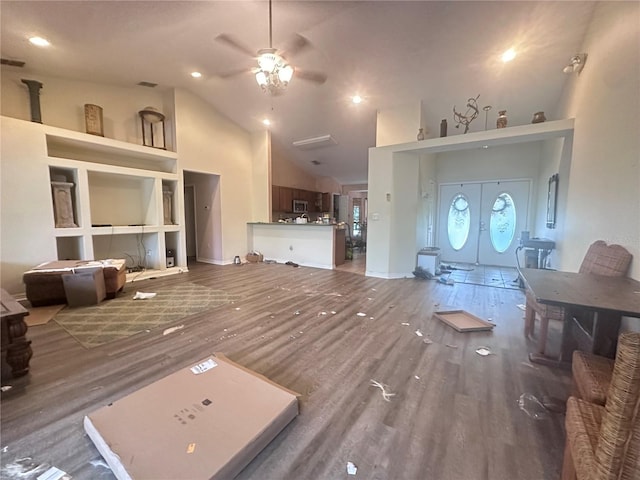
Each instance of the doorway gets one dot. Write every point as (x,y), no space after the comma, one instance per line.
(203,217)
(478,222)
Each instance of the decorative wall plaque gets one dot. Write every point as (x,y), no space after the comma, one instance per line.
(93,119)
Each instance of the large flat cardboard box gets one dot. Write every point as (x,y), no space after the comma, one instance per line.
(207,421)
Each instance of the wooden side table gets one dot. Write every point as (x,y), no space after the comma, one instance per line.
(15,345)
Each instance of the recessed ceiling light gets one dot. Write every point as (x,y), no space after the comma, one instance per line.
(39,41)
(356,99)
(508,55)
(266,122)
(196,74)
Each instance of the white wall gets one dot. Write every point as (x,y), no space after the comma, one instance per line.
(604,182)
(494,163)
(398,124)
(26,216)
(62,104)
(210,143)
(425,229)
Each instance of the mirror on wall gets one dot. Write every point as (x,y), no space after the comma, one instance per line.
(552,197)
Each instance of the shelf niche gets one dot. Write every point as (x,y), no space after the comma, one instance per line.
(121,200)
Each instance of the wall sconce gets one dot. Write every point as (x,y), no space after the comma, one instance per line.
(151,119)
(576,64)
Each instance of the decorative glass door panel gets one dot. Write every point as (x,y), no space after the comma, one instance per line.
(459,217)
(479,222)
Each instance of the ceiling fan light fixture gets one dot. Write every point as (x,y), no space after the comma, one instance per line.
(285,74)
(261,78)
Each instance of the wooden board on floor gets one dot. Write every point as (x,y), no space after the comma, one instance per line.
(463,321)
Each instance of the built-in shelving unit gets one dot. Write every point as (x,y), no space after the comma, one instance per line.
(112,199)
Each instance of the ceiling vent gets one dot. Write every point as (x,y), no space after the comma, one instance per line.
(315,142)
(148,84)
(12,63)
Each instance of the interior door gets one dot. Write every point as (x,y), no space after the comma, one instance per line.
(479,222)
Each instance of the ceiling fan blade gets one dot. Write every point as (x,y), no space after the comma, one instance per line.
(297,44)
(311,76)
(235,72)
(233,43)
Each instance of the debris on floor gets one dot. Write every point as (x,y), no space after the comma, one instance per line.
(419,333)
(54,474)
(484,351)
(6,387)
(143,295)
(351,469)
(360,314)
(293,264)
(172,329)
(406,324)
(451,346)
(530,405)
(420,272)
(427,341)
(385,394)
(522,307)
(446,281)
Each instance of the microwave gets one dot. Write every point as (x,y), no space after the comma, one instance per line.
(300,206)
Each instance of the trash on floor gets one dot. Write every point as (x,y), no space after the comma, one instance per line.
(54,474)
(351,469)
(360,314)
(172,329)
(420,272)
(143,296)
(6,387)
(419,333)
(427,341)
(446,281)
(530,405)
(484,351)
(522,307)
(385,394)
(293,264)
(451,345)
(406,324)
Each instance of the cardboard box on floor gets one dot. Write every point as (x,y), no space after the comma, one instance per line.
(207,421)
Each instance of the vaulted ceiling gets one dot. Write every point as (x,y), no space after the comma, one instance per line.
(392,53)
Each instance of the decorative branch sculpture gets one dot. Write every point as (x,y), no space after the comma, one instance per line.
(468,117)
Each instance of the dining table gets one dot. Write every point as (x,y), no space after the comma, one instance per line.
(603,299)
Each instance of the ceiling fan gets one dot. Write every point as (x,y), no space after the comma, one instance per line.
(273,72)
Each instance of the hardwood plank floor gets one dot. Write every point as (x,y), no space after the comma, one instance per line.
(454,414)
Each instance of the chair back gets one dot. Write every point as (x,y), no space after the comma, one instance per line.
(607,260)
(618,450)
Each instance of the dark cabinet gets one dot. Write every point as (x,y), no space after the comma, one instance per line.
(275,198)
(286,199)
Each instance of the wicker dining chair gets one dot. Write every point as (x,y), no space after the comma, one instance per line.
(600,259)
(591,376)
(603,443)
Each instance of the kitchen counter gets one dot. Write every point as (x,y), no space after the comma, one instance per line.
(314,224)
(319,245)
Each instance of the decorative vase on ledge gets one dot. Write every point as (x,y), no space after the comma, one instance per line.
(420,134)
(502,119)
(538,117)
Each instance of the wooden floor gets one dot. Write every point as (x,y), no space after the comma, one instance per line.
(455,414)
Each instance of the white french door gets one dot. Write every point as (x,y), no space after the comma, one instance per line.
(480,222)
